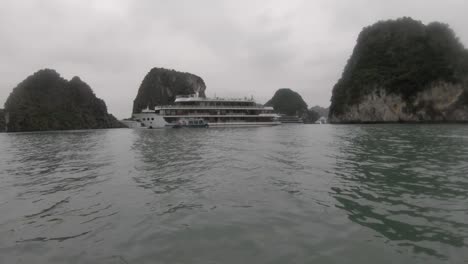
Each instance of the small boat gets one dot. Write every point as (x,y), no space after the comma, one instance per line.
(191,122)
(285,119)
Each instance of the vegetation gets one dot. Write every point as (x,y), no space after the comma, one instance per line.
(288,102)
(402,56)
(322,111)
(2,120)
(310,116)
(46,101)
(161,86)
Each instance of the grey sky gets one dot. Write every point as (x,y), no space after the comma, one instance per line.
(240,48)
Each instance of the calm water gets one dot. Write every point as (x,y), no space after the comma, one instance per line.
(289,194)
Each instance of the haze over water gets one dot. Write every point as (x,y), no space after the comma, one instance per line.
(286,194)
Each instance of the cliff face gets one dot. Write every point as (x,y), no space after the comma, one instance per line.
(442,102)
(161,86)
(403,71)
(288,102)
(46,101)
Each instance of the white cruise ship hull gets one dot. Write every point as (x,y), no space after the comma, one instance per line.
(153,121)
(243,124)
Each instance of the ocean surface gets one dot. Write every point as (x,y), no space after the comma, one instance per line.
(286,194)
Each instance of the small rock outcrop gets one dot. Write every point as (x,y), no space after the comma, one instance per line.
(403,71)
(288,102)
(46,101)
(161,86)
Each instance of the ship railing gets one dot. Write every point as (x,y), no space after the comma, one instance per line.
(216,98)
(211,107)
(207,114)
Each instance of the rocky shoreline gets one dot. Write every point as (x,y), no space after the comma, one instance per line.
(441,103)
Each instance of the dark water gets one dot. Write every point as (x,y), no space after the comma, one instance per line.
(289,194)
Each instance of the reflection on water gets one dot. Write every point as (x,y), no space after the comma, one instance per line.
(287,194)
(45,183)
(54,162)
(168,160)
(409,185)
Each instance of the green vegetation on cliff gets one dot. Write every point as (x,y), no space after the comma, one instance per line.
(161,86)
(2,120)
(403,57)
(288,102)
(46,101)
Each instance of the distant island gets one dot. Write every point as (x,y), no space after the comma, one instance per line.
(322,111)
(161,86)
(403,71)
(46,101)
(288,102)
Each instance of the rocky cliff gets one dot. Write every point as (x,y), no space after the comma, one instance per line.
(442,102)
(403,71)
(46,101)
(288,102)
(161,86)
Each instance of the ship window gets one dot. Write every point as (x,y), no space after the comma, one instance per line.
(152,118)
(144,119)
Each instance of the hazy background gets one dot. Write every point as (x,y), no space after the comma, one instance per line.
(240,48)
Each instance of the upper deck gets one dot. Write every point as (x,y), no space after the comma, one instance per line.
(183,99)
(250,107)
(195,102)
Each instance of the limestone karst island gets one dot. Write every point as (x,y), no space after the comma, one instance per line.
(46,101)
(400,71)
(403,71)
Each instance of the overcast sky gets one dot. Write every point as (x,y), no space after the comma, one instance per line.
(240,48)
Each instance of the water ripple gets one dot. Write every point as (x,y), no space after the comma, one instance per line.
(287,194)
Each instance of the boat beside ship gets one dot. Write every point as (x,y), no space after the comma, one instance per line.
(285,119)
(211,112)
(191,123)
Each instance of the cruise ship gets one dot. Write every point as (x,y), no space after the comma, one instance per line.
(210,112)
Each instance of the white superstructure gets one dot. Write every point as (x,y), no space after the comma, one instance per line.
(217,112)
